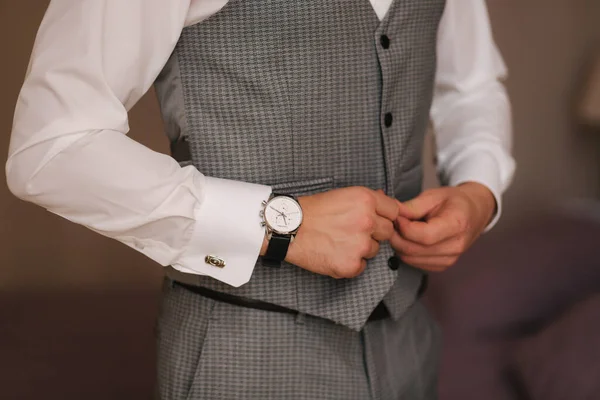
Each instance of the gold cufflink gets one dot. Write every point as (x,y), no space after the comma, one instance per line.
(215,261)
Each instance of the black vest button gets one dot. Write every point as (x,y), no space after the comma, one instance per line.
(387,120)
(385,41)
(394,263)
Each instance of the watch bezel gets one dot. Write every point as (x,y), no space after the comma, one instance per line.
(274,229)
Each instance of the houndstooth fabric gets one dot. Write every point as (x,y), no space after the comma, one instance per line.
(294,94)
(217,351)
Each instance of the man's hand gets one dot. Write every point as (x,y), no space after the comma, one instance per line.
(437,226)
(341,229)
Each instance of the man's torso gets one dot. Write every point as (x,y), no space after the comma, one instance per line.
(307,97)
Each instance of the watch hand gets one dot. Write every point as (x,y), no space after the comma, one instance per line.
(280,213)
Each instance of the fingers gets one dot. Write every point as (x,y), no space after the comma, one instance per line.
(348,271)
(384,229)
(447,248)
(370,251)
(385,206)
(434,244)
(436,229)
(424,204)
(434,264)
(373,250)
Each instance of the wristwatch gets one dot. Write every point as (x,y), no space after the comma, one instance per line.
(281,216)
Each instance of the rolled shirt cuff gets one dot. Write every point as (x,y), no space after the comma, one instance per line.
(483,169)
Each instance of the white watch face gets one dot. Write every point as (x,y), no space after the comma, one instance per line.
(283,214)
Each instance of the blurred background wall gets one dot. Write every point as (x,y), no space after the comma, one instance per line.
(547,44)
(520,312)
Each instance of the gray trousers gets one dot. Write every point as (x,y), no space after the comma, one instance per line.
(213,350)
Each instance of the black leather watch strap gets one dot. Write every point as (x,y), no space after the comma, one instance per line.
(277,250)
(278,245)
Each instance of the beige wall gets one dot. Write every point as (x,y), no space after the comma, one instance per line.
(39,248)
(547,46)
(545,43)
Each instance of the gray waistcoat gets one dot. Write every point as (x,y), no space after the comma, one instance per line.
(303,95)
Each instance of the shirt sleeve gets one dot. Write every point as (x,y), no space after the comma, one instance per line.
(92,61)
(471,111)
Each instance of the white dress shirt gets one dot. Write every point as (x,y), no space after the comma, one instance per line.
(94,59)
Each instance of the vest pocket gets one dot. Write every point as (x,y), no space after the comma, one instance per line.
(304,187)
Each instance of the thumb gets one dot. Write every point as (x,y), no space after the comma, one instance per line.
(422,205)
